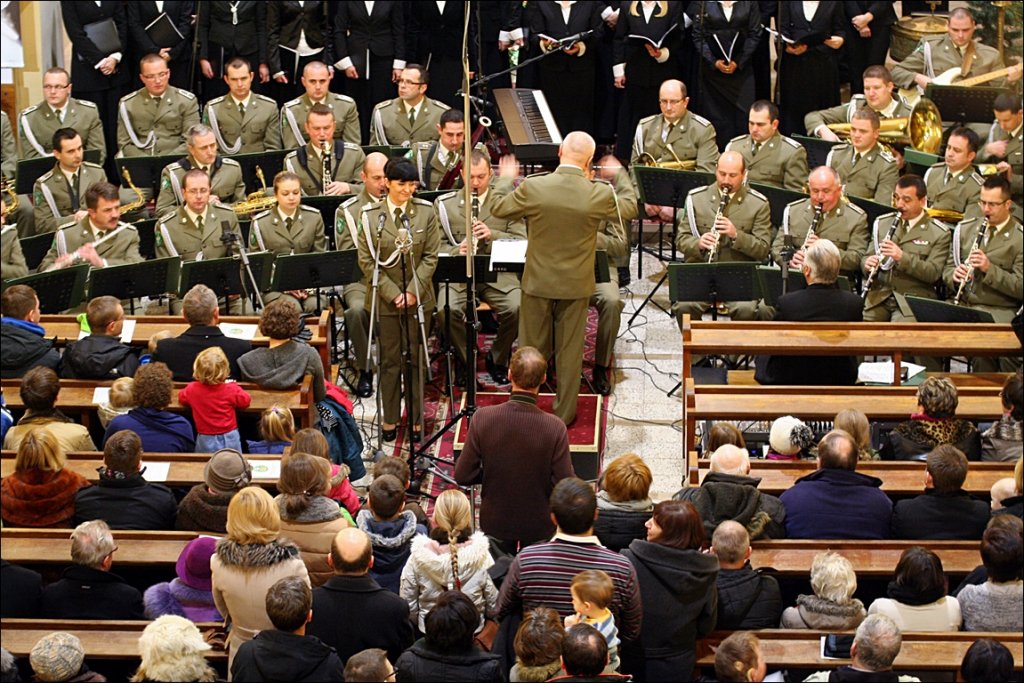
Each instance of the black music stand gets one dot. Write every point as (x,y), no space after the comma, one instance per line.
(872,208)
(778,199)
(964,105)
(34,248)
(327,205)
(147,237)
(319,269)
(664,187)
(430,195)
(770,278)
(145,171)
(271,162)
(58,290)
(157,277)
(224,275)
(29,170)
(451,270)
(935,311)
(390,151)
(817,149)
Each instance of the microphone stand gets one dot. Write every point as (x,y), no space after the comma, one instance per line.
(374,325)
(231,240)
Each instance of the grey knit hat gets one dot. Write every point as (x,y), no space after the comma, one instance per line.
(227,471)
(57,657)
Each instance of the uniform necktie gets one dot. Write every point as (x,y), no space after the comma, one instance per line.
(856,158)
(156,101)
(946,178)
(665,132)
(398,218)
(75,199)
(241,109)
(205,169)
(60,115)
(412,117)
(199,223)
(288,223)
(754,147)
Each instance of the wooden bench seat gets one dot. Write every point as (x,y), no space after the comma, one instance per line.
(134,548)
(105,640)
(76,399)
(902,478)
(921,651)
(878,559)
(65,328)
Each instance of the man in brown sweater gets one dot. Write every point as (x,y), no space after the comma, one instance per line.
(517,479)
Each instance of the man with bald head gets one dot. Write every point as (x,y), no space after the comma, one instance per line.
(564,211)
(316,79)
(728,492)
(351,612)
(742,232)
(346,226)
(676,133)
(747,599)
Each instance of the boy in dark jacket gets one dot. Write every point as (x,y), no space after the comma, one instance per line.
(287,653)
(390,528)
(21,336)
(101,355)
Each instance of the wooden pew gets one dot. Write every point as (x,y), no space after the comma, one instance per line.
(900,478)
(186,469)
(101,639)
(134,548)
(65,328)
(723,402)
(786,557)
(75,398)
(921,651)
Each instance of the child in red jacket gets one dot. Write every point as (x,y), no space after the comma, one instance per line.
(213,400)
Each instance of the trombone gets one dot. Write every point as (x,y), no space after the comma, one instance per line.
(922,130)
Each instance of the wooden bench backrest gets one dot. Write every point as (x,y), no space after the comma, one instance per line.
(105,640)
(869,558)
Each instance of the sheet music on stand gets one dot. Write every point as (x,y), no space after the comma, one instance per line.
(508,255)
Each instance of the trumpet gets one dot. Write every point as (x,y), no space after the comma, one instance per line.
(647,159)
(878,266)
(713,252)
(982,229)
(140,200)
(255,201)
(325,176)
(922,130)
(819,213)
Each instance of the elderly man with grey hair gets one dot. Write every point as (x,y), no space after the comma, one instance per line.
(226,183)
(747,598)
(875,647)
(822,301)
(728,492)
(199,308)
(88,589)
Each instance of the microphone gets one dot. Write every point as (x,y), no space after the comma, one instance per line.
(474,99)
(582,35)
(380,223)
(227,235)
(403,241)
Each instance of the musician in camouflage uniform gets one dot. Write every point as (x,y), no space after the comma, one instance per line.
(870,171)
(152,120)
(59,193)
(38,123)
(243,121)
(409,118)
(316,79)
(344,160)
(226,183)
(771,158)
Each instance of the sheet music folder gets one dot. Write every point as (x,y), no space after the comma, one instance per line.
(103,34)
(163,32)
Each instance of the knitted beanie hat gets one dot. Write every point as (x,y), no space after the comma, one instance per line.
(57,657)
(789,436)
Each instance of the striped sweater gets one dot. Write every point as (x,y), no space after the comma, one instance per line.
(541,574)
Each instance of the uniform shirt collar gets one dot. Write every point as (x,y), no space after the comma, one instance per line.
(97,233)
(921,218)
(245,102)
(284,217)
(391,207)
(192,215)
(890,109)
(1002,226)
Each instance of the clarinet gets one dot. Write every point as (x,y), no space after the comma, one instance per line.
(475,209)
(815,224)
(878,266)
(325,176)
(713,252)
(970,268)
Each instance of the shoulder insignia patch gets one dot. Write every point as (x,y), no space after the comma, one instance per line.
(700,119)
(857,209)
(186,94)
(754,193)
(791,142)
(86,103)
(29,110)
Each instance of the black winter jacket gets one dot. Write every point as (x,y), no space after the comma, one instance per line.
(99,357)
(616,529)
(24,350)
(127,503)
(421,663)
(747,600)
(281,656)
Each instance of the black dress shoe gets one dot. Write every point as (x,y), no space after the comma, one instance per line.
(499,373)
(389,435)
(364,387)
(599,380)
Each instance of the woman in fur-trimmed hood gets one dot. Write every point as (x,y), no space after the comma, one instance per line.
(832,607)
(451,550)
(248,562)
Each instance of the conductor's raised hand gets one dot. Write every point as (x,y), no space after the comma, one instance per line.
(508,167)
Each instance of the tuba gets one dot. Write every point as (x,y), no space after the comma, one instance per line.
(922,130)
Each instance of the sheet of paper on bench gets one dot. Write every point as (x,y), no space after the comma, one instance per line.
(239,330)
(155,471)
(508,251)
(881,373)
(266,469)
(126,332)
(101,395)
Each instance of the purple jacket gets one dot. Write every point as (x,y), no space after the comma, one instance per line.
(837,504)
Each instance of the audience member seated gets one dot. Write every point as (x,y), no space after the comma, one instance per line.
(1014,505)
(390,528)
(945,511)
(747,599)
(722,433)
(676,581)
(6,420)
(855,423)
(728,492)
(1000,491)
(541,574)
(585,656)
(832,607)
(88,589)
(20,591)
(284,362)
(101,355)
(1004,440)
(311,440)
(623,502)
(172,649)
(916,599)
(41,490)
(60,656)
(123,498)
(205,506)
(739,658)
(8,666)
(248,562)
(836,501)
(789,439)
(369,666)
(995,604)
(987,661)
(277,430)
(120,400)
(190,595)
(22,337)
(979,575)
(383,616)
(875,647)
(199,308)
(285,652)
(309,519)
(452,555)
(538,647)
(160,430)
(935,423)
(39,390)
(399,467)
(447,651)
